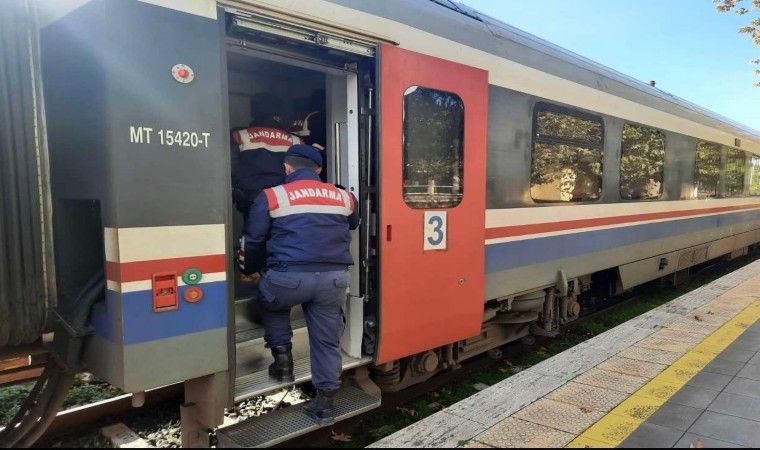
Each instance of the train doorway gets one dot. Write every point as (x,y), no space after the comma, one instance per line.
(306,78)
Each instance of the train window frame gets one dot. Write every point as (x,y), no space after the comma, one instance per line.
(719,185)
(432,201)
(537,138)
(754,169)
(727,160)
(664,163)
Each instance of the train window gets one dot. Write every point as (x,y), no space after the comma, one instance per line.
(707,170)
(736,165)
(567,156)
(754,175)
(433,148)
(642,162)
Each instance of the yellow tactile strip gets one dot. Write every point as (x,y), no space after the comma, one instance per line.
(612,429)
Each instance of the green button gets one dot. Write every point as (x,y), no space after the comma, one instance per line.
(192,276)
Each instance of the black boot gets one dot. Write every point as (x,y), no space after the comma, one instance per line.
(282,367)
(320,408)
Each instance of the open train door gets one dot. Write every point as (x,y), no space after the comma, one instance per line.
(433,121)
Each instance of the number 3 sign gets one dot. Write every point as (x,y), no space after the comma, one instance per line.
(435,231)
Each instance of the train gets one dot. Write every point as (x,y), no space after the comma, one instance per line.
(504,184)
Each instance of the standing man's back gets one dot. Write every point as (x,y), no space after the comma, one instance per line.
(258,151)
(298,235)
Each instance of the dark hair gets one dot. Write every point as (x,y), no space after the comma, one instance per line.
(298,162)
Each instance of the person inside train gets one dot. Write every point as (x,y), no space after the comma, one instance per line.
(257,153)
(298,236)
(312,126)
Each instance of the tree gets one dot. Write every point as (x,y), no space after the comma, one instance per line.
(754,27)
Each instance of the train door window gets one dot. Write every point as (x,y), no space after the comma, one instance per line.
(736,167)
(433,148)
(754,175)
(642,162)
(707,170)
(568,147)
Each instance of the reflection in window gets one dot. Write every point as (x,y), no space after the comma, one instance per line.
(641,162)
(707,170)
(736,165)
(433,148)
(754,175)
(560,125)
(567,157)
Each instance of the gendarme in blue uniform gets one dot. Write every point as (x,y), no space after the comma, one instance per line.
(298,233)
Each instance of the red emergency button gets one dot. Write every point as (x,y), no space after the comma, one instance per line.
(193,294)
(183,73)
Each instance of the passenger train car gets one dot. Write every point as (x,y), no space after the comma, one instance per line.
(503,182)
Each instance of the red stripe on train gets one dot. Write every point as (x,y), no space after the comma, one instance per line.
(143,270)
(523,230)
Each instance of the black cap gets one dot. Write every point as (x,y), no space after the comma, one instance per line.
(306,151)
(265,105)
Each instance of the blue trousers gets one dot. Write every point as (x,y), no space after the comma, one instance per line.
(322,296)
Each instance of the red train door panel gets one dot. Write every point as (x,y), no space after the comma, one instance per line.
(432,201)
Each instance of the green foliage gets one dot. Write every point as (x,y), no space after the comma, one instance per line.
(433,146)
(85,390)
(707,169)
(753,29)
(754,176)
(642,162)
(11,399)
(567,158)
(736,165)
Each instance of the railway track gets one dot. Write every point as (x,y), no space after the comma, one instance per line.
(19,369)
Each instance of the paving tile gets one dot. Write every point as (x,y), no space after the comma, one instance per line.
(680,336)
(649,355)
(673,415)
(637,408)
(689,440)
(736,354)
(492,405)
(611,380)
(584,442)
(713,319)
(744,386)
(632,367)
(746,344)
(694,396)
(724,367)
(707,380)
(516,433)
(694,360)
(737,405)
(678,375)
(755,360)
(476,444)
(659,390)
(561,416)
(612,430)
(667,345)
(692,326)
(439,430)
(750,371)
(583,395)
(649,435)
(727,428)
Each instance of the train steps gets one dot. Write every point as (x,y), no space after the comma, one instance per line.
(252,359)
(287,423)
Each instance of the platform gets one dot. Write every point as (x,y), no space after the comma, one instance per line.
(685,372)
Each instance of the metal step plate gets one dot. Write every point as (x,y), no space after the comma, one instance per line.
(255,335)
(258,383)
(285,424)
